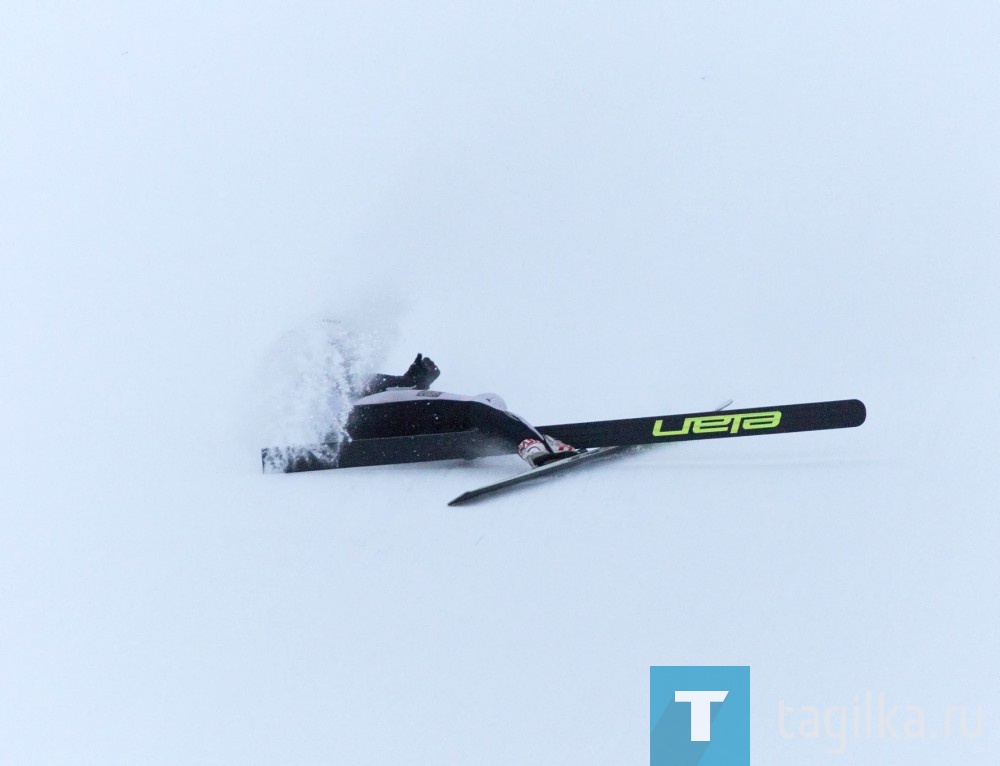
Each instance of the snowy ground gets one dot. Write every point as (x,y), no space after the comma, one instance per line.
(595,211)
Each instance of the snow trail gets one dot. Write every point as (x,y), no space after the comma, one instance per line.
(310,376)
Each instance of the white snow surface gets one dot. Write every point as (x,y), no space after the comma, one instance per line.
(598,211)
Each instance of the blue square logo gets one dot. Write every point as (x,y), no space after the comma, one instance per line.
(699,716)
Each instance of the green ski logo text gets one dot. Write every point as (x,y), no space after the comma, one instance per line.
(717,424)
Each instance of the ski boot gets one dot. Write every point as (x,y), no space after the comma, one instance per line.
(536,454)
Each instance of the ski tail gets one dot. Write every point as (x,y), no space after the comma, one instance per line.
(787,418)
(392,450)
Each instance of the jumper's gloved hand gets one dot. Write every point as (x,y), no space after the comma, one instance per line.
(422,373)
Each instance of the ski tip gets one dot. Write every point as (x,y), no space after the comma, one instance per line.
(461,498)
(860,411)
(848,413)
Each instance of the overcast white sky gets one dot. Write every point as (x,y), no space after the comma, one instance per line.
(596,210)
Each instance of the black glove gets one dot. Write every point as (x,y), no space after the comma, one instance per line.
(421,373)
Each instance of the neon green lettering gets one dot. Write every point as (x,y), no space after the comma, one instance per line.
(759,420)
(712,424)
(658,428)
(717,424)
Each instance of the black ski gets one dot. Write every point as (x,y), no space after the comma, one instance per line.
(778,419)
(548,469)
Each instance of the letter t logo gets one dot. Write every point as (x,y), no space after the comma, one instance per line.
(686,728)
(701,711)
